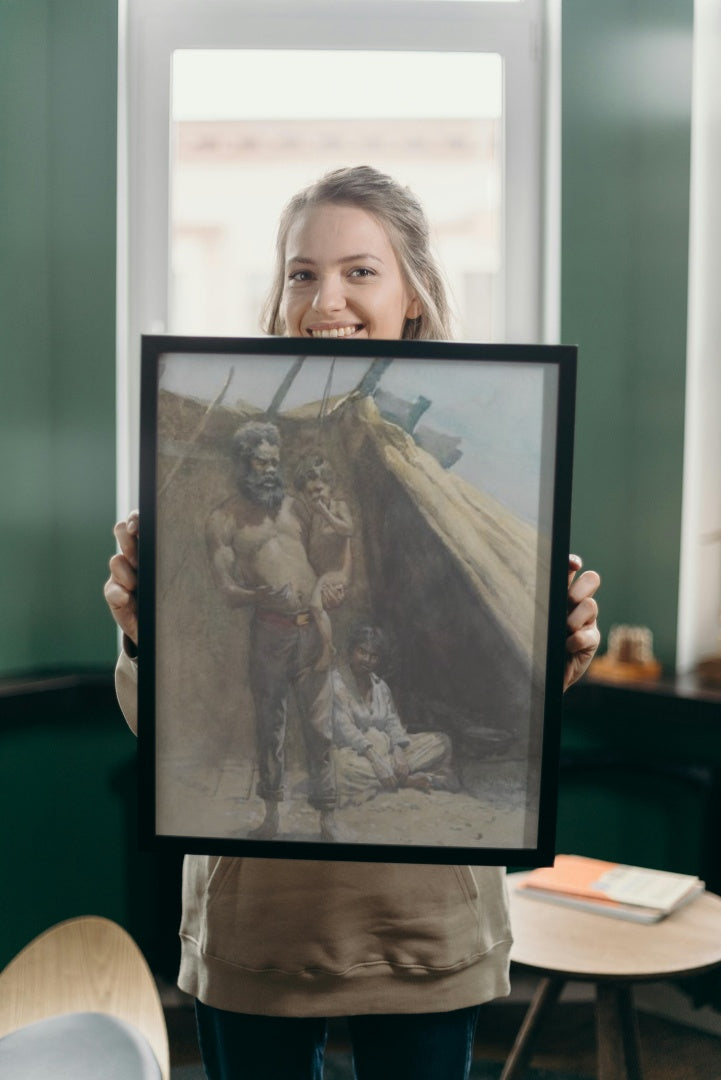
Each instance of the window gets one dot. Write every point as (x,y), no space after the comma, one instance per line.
(227,107)
(235,161)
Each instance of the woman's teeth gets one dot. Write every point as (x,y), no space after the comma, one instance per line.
(337,331)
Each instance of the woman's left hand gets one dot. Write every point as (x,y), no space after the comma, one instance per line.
(582,634)
(401,767)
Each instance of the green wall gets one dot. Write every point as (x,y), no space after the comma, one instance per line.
(67,786)
(68,802)
(626,146)
(58,74)
(66,758)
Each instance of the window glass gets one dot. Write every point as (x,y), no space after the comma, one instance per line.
(251,127)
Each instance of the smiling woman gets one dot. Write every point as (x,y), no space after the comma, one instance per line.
(337,294)
(437,940)
(353,260)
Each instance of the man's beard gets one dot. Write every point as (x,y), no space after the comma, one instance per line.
(267,491)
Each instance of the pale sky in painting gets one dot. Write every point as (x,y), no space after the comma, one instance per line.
(496,408)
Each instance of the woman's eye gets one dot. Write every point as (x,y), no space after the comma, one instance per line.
(300,276)
(362,272)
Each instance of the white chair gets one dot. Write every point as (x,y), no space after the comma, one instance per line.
(80,1002)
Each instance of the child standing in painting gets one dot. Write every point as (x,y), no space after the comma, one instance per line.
(329,542)
(272,948)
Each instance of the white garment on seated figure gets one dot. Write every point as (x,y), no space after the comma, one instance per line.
(360,725)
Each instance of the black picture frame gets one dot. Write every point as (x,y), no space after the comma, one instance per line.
(440,518)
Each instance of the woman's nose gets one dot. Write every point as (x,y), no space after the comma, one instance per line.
(329,295)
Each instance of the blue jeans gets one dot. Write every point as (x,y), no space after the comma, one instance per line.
(414,1046)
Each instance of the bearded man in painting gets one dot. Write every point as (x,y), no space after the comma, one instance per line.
(258,553)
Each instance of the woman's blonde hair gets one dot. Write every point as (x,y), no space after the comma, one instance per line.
(403,217)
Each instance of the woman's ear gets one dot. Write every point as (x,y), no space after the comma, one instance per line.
(415,309)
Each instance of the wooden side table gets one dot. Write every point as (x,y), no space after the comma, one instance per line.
(562,944)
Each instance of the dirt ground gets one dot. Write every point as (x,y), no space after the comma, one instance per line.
(491,810)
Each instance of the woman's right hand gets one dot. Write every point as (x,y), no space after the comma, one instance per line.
(121,587)
(383,771)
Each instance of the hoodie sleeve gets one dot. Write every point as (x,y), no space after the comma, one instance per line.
(126,688)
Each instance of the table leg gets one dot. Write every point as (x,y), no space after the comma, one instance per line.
(545,997)
(617,1033)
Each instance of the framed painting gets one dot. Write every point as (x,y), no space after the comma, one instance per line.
(352,597)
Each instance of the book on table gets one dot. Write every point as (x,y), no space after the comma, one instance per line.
(609,888)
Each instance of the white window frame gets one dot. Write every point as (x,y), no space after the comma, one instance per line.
(699,597)
(526,34)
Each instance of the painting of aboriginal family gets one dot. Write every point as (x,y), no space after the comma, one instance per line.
(350,621)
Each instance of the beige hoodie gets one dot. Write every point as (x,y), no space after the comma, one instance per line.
(287,937)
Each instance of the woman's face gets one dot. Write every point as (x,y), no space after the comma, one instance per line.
(342,277)
(363,659)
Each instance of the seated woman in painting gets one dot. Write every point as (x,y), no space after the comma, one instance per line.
(373,751)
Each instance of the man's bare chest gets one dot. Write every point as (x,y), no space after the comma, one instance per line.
(279,529)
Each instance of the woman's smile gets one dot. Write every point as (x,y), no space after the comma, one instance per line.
(334,331)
